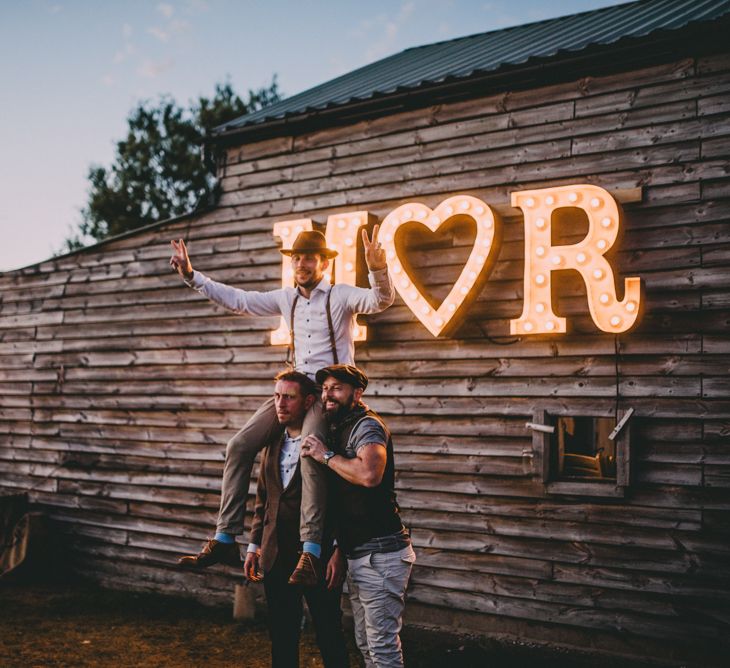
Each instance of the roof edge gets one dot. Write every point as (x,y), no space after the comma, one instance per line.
(630,53)
(116,237)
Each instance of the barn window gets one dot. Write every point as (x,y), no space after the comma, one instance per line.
(575,454)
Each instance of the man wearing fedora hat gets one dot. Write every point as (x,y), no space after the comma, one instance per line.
(321,320)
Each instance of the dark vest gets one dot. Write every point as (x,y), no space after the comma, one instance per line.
(362,512)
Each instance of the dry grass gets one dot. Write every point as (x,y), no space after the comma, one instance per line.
(77,625)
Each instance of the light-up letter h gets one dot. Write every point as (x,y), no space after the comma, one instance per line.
(587,257)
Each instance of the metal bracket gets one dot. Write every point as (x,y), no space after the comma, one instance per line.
(621,423)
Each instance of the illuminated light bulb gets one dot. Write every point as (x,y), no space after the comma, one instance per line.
(391,255)
(425,309)
(572,197)
(407,215)
(464,205)
(388,237)
(615,320)
(357,222)
(581,258)
(397,268)
(549,200)
(341,224)
(439,322)
(421,214)
(605,298)
(630,306)
(284,232)
(527,326)
(435,220)
(488,224)
(405,283)
(348,241)
(449,210)
(298,229)
(540,279)
(414,295)
(556,260)
(602,243)
(598,274)
(540,251)
(530,202)
(479,210)
(550,325)
(290,272)
(606,222)
(464,290)
(472,275)
(452,307)
(540,223)
(540,307)
(487,242)
(595,202)
(349,266)
(328,277)
(481,259)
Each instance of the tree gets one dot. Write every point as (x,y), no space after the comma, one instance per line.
(160,170)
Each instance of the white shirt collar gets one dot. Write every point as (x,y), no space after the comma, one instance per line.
(323,286)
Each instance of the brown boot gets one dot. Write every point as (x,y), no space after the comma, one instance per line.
(213,552)
(307,572)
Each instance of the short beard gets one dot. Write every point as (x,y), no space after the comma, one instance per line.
(337,415)
(312,283)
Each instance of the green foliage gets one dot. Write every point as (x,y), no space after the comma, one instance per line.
(160,169)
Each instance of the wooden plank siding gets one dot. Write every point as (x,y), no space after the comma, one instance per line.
(119,386)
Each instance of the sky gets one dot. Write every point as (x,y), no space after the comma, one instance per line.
(72,70)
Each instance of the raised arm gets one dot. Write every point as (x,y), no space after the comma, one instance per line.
(381,294)
(249,302)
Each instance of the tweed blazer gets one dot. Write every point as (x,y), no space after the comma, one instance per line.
(275,525)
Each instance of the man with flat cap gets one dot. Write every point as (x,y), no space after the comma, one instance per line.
(321,320)
(358,451)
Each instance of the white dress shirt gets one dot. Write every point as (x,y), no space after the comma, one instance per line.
(289,457)
(312,346)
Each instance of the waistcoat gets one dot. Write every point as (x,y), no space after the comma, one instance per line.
(363,512)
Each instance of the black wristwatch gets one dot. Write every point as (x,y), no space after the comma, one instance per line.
(327,456)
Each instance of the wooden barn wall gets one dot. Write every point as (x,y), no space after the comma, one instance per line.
(119,386)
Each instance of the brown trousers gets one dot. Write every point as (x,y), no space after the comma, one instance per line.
(241,451)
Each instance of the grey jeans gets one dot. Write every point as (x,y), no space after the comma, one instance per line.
(241,450)
(377,584)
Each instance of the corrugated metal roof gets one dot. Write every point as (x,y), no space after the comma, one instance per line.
(487,52)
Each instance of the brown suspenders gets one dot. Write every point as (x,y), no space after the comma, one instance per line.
(290,354)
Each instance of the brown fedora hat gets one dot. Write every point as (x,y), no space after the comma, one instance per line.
(310,242)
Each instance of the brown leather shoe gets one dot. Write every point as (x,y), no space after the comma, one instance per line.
(213,552)
(307,572)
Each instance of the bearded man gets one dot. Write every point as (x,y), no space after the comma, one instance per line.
(359,454)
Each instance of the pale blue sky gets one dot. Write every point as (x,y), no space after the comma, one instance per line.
(71,70)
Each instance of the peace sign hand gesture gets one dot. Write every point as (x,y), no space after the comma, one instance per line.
(374,253)
(180,261)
